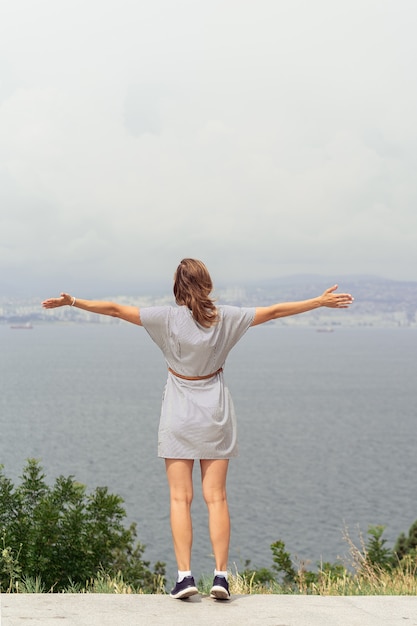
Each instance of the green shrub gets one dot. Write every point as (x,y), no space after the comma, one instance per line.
(61,534)
(377,555)
(406,546)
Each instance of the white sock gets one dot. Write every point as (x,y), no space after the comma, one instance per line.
(220,573)
(182,574)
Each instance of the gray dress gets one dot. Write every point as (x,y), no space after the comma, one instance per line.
(197,419)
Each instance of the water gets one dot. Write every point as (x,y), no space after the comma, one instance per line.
(327,430)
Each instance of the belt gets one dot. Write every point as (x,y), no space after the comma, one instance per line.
(195,377)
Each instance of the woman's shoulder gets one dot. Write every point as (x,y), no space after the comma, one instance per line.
(155,313)
(230,312)
(233,309)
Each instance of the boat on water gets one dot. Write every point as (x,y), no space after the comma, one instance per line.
(27,326)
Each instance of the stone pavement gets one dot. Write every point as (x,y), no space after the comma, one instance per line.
(160,610)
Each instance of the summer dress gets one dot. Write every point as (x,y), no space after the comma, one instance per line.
(197,419)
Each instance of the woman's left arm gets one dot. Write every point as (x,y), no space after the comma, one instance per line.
(284,309)
(122,311)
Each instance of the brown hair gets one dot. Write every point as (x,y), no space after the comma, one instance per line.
(192,288)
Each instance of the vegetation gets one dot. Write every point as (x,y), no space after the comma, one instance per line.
(374,569)
(62,539)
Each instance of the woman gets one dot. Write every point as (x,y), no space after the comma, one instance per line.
(197,419)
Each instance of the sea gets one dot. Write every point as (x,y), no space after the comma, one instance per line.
(327,425)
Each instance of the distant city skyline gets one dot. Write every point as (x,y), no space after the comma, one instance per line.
(266,138)
(378,302)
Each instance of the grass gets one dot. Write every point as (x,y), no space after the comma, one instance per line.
(359,577)
(372,582)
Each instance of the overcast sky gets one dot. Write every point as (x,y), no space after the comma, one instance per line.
(266,137)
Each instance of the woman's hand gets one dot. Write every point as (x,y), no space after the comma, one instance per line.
(53,303)
(335,300)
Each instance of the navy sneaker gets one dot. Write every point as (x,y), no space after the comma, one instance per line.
(220,588)
(184,589)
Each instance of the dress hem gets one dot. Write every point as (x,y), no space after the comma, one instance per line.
(200,458)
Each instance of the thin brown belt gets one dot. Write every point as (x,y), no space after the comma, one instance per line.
(195,377)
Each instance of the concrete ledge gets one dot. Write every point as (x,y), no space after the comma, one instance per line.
(158,610)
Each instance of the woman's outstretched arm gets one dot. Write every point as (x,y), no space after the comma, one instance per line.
(327,299)
(101,307)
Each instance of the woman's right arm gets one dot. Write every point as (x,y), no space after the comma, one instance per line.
(122,311)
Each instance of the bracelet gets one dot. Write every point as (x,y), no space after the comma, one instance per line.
(73,302)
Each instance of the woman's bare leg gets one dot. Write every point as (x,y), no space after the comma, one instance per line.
(213,476)
(180,479)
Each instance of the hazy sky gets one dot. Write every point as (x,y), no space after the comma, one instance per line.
(265,137)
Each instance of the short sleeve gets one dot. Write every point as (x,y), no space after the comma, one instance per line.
(236,321)
(154,319)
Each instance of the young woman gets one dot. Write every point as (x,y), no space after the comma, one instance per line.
(197,419)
